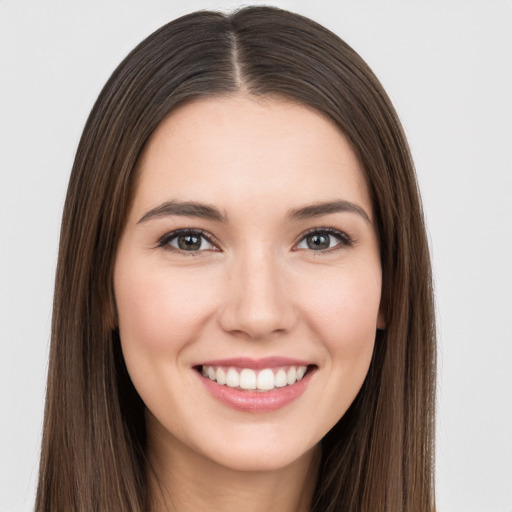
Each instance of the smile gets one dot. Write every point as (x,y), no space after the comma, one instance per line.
(256,386)
(265,379)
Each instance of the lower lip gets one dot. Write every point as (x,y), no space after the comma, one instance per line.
(256,401)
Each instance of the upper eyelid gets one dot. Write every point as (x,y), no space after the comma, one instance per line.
(213,240)
(182,231)
(331,231)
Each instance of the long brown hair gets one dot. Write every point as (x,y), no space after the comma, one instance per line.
(380,455)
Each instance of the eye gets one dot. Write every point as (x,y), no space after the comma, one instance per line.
(187,240)
(323,239)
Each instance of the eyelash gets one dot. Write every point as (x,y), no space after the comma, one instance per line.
(343,238)
(169,237)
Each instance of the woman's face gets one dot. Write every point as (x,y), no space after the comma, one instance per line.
(247,281)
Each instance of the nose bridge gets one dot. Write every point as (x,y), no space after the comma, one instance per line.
(257,302)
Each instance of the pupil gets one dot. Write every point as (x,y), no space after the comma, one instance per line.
(189,242)
(318,241)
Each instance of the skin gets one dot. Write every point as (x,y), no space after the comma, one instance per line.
(255,290)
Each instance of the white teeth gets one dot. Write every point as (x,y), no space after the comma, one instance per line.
(266,380)
(281,380)
(249,379)
(221,376)
(232,378)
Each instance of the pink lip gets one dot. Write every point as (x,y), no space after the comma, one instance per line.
(255,401)
(255,364)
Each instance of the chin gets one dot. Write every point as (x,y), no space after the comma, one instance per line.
(261,456)
(259,463)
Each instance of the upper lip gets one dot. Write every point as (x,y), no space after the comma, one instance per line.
(255,364)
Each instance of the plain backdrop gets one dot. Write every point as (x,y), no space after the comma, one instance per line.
(447,66)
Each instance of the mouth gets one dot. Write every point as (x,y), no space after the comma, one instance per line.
(256,386)
(250,379)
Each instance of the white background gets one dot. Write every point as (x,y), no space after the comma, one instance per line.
(446,64)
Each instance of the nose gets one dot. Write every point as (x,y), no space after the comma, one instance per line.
(257,302)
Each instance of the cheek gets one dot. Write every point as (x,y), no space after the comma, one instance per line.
(344,312)
(160,314)
(160,310)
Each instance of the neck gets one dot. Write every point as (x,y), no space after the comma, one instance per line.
(183,480)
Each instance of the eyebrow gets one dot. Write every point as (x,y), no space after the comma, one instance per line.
(185,209)
(205,211)
(319,209)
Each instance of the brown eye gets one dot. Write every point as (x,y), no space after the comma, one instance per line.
(324,239)
(318,241)
(187,241)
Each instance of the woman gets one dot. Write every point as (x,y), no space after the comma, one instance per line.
(243,310)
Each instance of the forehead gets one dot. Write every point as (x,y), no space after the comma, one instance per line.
(244,150)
